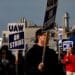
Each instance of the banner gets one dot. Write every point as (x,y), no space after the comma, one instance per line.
(16,36)
(50,14)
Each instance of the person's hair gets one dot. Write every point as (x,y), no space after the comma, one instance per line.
(36,40)
(39,32)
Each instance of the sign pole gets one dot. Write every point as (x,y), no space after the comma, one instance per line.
(41,65)
(44,49)
(16,39)
(16,62)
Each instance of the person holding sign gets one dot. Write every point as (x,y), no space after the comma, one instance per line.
(40,59)
(69,61)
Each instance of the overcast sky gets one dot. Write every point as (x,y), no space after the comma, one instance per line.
(66,6)
(33,10)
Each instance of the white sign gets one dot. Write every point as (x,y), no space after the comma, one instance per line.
(60,33)
(16,27)
(16,36)
(67,44)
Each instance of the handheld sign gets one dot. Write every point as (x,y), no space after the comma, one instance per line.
(50,14)
(67,44)
(16,36)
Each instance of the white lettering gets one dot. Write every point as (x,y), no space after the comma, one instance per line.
(16,28)
(16,43)
(16,37)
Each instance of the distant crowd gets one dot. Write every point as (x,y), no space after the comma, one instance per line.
(38,60)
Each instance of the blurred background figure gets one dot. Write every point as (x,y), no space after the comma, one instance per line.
(7,65)
(69,61)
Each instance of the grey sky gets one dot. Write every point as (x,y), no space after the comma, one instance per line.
(33,10)
(66,6)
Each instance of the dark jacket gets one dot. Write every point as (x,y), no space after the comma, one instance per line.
(7,65)
(33,58)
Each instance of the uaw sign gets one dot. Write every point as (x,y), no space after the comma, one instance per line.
(50,14)
(16,36)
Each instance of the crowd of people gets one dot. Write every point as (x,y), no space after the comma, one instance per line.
(38,60)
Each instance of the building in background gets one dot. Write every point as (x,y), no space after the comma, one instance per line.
(0,42)
(31,28)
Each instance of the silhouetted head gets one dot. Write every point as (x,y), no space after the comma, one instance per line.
(41,36)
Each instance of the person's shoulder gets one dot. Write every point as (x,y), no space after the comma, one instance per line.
(31,52)
(52,53)
(51,50)
(32,49)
